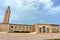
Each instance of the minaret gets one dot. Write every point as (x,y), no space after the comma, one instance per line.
(7,15)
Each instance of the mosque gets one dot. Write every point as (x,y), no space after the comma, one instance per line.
(25,28)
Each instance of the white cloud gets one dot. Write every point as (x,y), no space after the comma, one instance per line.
(19,4)
(24,9)
(54,10)
(47,3)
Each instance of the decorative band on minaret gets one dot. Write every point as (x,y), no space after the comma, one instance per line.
(7,15)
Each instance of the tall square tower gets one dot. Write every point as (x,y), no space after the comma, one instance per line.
(7,15)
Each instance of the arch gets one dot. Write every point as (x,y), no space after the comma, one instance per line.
(44,28)
(11,26)
(40,29)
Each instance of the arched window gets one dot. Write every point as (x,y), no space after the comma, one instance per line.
(47,29)
(40,30)
(7,11)
(30,27)
(43,28)
(11,26)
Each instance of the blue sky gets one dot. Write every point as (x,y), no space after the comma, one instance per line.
(31,11)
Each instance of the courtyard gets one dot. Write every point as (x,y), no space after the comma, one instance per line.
(29,36)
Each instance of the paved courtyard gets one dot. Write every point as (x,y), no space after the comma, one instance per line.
(26,36)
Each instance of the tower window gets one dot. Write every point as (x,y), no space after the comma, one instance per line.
(7,11)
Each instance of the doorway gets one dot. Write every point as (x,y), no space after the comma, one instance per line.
(44,29)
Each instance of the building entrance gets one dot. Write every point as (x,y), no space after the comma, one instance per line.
(44,29)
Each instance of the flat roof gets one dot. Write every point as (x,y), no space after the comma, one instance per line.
(50,24)
(21,24)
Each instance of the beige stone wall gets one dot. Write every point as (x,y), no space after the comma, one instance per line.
(33,28)
(36,28)
(55,29)
(21,28)
(47,27)
(4,27)
(0,28)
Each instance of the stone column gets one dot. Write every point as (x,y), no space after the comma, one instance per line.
(36,28)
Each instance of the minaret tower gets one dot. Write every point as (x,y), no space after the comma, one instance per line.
(7,15)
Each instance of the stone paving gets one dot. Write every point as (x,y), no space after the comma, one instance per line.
(27,36)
